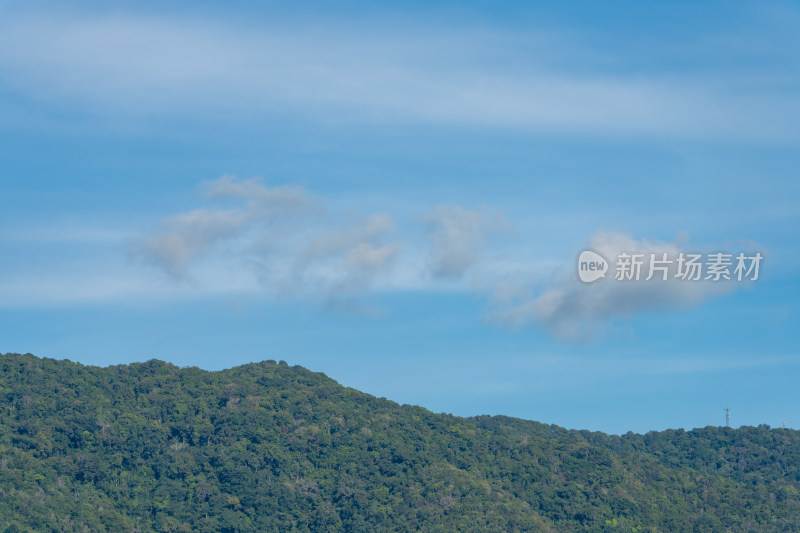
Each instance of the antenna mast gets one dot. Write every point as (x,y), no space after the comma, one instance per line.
(727,417)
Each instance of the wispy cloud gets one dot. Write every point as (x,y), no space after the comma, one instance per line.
(188,236)
(296,246)
(281,234)
(458,235)
(261,202)
(133,64)
(248,237)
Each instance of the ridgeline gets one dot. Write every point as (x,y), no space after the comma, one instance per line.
(269,447)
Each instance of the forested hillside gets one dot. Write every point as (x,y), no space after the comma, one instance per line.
(269,447)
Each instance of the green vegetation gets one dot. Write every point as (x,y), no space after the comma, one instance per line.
(268,447)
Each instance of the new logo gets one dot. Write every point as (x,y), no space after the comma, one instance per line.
(591,266)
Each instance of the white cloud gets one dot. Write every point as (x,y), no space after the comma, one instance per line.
(134,64)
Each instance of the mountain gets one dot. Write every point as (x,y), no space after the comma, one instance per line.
(270,447)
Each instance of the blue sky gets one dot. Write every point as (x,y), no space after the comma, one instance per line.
(397,197)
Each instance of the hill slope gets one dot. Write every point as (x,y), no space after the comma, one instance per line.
(268,447)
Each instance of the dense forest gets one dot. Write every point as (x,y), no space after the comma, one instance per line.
(270,447)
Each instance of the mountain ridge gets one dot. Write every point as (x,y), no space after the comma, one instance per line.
(271,447)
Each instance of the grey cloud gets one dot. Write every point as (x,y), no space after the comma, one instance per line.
(457,236)
(187,237)
(367,257)
(572,310)
(270,203)
(349,258)
(281,233)
(360,231)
